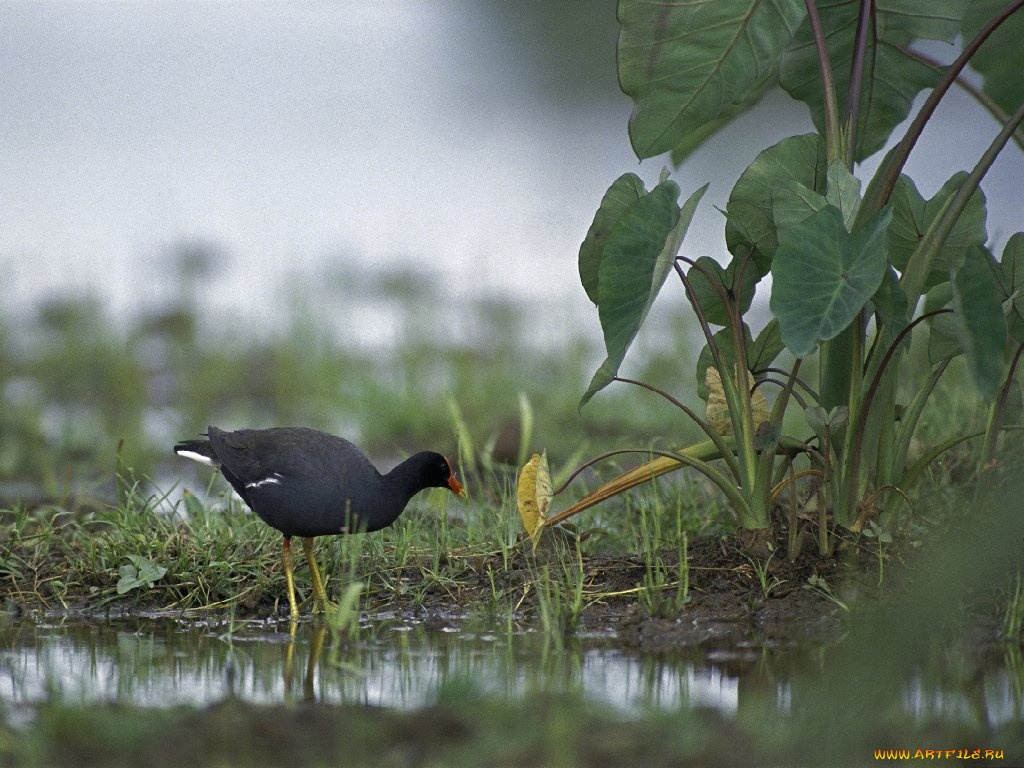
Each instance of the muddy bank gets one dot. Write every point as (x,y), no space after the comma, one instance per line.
(731,604)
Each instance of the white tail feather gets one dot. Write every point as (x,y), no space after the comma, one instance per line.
(199,457)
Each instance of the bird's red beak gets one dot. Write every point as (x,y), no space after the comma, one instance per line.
(453,482)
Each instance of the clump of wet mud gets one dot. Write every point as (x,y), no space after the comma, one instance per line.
(730,603)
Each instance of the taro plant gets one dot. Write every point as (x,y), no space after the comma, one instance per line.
(856,269)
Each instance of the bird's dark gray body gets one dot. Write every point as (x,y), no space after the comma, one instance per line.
(308,483)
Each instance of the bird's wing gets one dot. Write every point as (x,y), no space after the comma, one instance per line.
(254,455)
(238,453)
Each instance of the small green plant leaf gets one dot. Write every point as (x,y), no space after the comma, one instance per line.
(625,190)
(766,347)
(823,276)
(141,573)
(821,421)
(709,281)
(687,64)
(982,326)
(1001,59)
(750,223)
(129,579)
(912,216)
(888,95)
(637,257)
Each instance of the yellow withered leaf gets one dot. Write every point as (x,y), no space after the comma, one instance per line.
(533,494)
(718,407)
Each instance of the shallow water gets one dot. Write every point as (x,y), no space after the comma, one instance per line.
(399,663)
(406,663)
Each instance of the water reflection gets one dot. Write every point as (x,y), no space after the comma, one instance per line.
(397,663)
(405,664)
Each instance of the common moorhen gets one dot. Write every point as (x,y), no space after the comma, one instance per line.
(308,483)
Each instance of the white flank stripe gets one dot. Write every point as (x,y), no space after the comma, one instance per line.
(198,457)
(274,479)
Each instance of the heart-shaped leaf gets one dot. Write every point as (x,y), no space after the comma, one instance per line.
(142,573)
(766,347)
(843,192)
(717,289)
(761,353)
(638,255)
(891,303)
(1010,276)
(687,64)
(982,326)
(750,223)
(1001,58)
(792,204)
(943,335)
(912,216)
(823,276)
(893,75)
(625,190)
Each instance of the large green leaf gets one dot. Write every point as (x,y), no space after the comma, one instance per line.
(982,327)
(943,334)
(638,255)
(891,303)
(688,64)
(793,203)
(912,216)
(1009,274)
(893,76)
(1001,59)
(822,276)
(710,282)
(626,189)
(750,224)
(701,133)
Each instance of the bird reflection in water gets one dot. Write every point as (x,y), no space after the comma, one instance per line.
(315,650)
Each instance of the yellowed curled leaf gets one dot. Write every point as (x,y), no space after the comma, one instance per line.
(718,407)
(703,451)
(533,494)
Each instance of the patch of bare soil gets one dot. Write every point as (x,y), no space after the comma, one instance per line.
(730,603)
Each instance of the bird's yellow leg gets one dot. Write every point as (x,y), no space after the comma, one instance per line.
(319,593)
(289,576)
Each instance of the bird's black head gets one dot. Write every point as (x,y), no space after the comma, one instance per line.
(436,472)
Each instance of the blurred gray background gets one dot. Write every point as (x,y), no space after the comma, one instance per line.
(469,140)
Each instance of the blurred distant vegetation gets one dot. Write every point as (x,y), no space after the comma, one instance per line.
(76,379)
